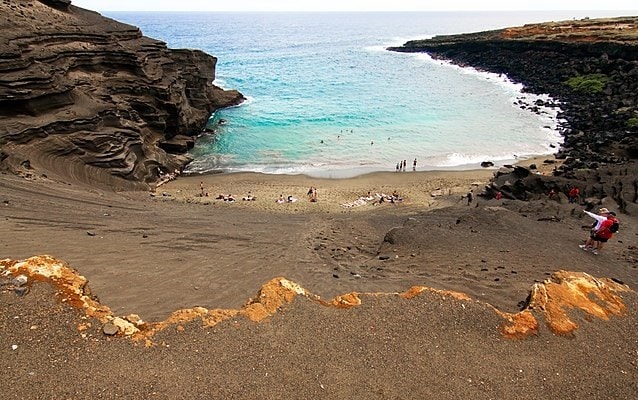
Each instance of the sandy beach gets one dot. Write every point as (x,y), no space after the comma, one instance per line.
(415,189)
(152,254)
(181,249)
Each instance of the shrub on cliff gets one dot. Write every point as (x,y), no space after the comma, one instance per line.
(588,84)
(632,122)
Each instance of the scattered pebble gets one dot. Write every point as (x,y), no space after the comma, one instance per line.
(110,329)
(19,280)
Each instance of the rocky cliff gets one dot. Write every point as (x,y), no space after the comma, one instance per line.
(86,98)
(591,67)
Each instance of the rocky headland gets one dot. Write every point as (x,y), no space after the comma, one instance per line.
(88,99)
(590,68)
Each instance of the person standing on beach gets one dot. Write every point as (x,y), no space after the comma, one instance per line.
(312,194)
(414,165)
(470,197)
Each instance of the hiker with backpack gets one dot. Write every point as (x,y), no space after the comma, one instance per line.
(604,228)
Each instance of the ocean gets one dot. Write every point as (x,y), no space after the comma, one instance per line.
(326,99)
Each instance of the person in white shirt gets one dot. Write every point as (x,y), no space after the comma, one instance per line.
(590,243)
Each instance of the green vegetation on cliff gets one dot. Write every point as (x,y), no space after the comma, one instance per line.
(588,84)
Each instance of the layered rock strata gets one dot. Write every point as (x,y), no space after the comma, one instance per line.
(90,99)
(591,67)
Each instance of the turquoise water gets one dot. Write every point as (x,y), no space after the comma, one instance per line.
(326,99)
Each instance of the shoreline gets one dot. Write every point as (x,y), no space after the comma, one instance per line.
(420,188)
(409,299)
(416,188)
(356,171)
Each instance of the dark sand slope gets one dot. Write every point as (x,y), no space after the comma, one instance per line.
(284,342)
(437,343)
(195,298)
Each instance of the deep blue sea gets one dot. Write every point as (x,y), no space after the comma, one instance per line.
(326,99)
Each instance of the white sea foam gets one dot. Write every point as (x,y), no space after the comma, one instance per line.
(337,79)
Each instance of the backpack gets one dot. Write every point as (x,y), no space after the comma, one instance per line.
(614,227)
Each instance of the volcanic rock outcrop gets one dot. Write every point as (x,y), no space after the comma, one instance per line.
(591,67)
(90,99)
(550,300)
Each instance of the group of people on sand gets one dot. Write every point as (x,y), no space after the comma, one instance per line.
(312,194)
(375,199)
(312,197)
(401,165)
(604,227)
(230,198)
(226,197)
(573,194)
(287,199)
(393,198)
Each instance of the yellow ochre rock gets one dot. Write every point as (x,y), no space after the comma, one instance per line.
(551,299)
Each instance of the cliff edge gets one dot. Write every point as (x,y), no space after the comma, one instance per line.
(87,99)
(590,67)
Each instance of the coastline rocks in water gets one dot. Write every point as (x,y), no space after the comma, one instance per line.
(87,98)
(487,164)
(593,76)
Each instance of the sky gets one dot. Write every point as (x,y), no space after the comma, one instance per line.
(353,5)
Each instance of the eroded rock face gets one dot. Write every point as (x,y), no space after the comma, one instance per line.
(90,99)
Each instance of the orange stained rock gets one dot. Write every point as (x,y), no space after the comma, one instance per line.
(551,299)
(520,325)
(71,286)
(271,297)
(565,290)
(346,300)
(586,30)
(417,290)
